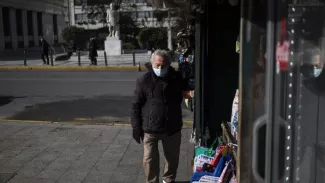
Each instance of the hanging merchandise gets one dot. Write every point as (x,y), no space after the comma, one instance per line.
(233,179)
(238,44)
(232,176)
(214,164)
(181,58)
(234,125)
(207,168)
(221,165)
(235,104)
(200,160)
(234,115)
(206,151)
(185,43)
(193,136)
(282,48)
(186,69)
(282,54)
(224,172)
(218,156)
(209,179)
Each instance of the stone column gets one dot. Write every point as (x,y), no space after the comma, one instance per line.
(47,21)
(170,42)
(61,25)
(13,28)
(2,37)
(25,28)
(72,13)
(35,29)
(169,33)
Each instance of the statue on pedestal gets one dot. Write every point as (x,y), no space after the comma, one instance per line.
(113,21)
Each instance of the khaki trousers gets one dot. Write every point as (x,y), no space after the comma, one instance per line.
(171,147)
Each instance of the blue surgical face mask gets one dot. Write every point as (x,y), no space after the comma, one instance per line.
(160,72)
(317,72)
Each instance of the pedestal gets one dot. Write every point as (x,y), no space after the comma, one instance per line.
(113,46)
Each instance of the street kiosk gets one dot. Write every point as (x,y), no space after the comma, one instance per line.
(280,77)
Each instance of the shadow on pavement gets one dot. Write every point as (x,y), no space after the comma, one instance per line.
(4,100)
(31,54)
(98,109)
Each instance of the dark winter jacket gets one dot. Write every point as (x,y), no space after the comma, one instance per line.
(93,49)
(157,104)
(45,47)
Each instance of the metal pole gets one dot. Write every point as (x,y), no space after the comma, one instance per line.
(47,59)
(51,58)
(25,61)
(105,56)
(139,67)
(79,62)
(133,53)
(198,78)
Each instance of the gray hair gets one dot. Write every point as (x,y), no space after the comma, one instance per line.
(310,53)
(162,53)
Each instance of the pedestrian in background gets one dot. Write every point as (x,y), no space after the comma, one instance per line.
(45,50)
(156,115)
(74,46)
(93,51)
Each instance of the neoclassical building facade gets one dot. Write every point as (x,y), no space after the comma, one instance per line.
(24,22)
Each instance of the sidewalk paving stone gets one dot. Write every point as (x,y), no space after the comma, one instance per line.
(77,154)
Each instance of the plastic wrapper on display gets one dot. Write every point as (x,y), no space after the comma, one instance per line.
(215,164)
(234,115)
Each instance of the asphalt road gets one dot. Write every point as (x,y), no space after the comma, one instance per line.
(65,96)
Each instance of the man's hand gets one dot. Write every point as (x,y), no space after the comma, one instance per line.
(138,135)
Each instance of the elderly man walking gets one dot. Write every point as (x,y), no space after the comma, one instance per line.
(156,115)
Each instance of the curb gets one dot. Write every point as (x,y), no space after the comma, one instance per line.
(71,123)
(124,68)
(24,121)
(87,68)
(91,119)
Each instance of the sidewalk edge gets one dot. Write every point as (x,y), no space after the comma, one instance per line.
(3,68)
(115,68)
(69,122)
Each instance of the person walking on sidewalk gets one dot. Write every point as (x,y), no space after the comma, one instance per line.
(45,51)
(156,115)
(93,51)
